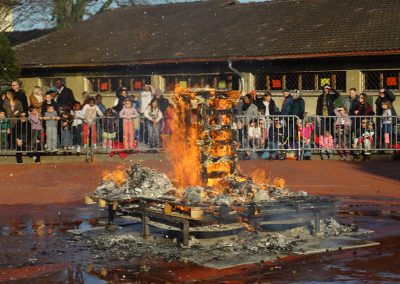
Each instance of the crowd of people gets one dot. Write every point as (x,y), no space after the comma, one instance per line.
(351,127)
(55,121)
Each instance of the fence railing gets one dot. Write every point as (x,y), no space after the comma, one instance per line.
(269,137)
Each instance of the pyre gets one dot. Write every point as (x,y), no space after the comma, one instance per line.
(205,124)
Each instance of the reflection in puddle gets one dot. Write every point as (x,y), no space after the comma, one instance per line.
(42,228)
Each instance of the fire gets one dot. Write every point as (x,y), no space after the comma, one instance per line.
(220,151)
(279,182)
(219,167)
(259,176)
(182,148)
(119,177)
(221,135)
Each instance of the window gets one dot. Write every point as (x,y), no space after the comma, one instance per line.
(113,84)
(306,81)
(375,80)
(225,81)
(47,83)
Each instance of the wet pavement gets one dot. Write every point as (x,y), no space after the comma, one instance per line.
(36,248)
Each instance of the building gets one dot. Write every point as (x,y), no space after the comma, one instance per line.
(275,45)
(6,19)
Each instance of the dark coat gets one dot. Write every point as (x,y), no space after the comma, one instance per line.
(44,106)
(66,98)
(364,110)
(287,104)
(298,108)
(273,109)
(330,100)
(20,95)
(163,104)
(388,96)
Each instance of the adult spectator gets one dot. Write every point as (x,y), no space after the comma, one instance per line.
(266,105)
(20,95)
(384,94)
(65,96)
(364,108)
(3,98)
(121,95)
(13,107)
(247,108)
(351,102)
(145,98)
(297,107)
(325,101)
(287,102)
(36,99)
(326,107)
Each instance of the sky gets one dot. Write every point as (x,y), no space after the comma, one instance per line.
(46,21)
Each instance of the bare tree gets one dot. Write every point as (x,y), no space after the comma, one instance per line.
(58,13)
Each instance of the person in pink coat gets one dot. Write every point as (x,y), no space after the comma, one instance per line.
(128,113)
(326,144)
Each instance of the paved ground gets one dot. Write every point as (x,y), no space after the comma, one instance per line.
(35,194)
(68,182)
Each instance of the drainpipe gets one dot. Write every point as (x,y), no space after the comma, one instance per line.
(241,80)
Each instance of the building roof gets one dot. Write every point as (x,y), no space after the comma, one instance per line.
(18,37)
(219,30)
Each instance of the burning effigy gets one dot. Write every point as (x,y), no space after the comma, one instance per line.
(207,197)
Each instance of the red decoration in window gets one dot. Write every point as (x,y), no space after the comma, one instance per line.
(103,86)
(137,85)
(276,84)
(391,81)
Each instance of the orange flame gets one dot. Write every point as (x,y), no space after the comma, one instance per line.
(259,176)
(119,177)
(182,149)
(279,182)
(221,135)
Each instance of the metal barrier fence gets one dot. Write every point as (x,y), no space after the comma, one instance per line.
(269,137)
(290,137)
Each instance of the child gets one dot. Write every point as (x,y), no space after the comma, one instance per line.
(386,122)
(77,126)
(109,123)
(90,112)
(128,113)
(366,140)
(51,117)
(5,129)
(254,134)
(277,138)
(342,126)
(66,131)
(305,133)
(326,144)
(36,124)
(153,116)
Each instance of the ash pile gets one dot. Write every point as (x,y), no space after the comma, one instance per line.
(142,182)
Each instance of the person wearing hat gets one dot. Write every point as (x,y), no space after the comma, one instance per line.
(326,107)
(26,139)
(325,101)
